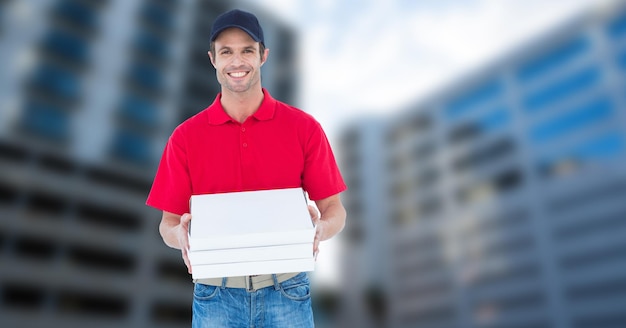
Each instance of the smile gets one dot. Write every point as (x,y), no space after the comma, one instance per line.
(238,74)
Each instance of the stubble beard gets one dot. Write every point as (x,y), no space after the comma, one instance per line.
(244,87)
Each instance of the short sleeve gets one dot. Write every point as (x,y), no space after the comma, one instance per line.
(321,176)
(171,188)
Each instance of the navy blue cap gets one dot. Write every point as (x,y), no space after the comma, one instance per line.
(239,19)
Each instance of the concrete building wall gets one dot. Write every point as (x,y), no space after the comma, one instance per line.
(504,194)
(89,93)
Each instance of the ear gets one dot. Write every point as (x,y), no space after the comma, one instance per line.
(211,58)
(265,55)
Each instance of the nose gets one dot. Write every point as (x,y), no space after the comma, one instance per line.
(237,59)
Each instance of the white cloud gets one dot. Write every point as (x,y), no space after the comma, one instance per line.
(378,55)
(416,50)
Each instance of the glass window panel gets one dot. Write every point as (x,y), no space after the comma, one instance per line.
(77,13)
(597,110)
(158,16)
(57,81)
(567,86)
(46,120)
(147,76)
(66,45)
(470,100)
(491,122)
(552,60)
(495,120)
(140,110)
(152,45)
(605,146)
(132,147)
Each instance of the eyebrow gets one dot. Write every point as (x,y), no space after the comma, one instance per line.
(230,48)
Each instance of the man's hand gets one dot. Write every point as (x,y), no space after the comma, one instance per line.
(175,232)
(183,238)
(328,221)
(317,222)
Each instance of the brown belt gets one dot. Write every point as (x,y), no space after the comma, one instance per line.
(250,283)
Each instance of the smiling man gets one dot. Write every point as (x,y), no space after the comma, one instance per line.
(245,141)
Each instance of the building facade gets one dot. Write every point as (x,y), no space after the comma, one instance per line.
(499,202)
(89,92)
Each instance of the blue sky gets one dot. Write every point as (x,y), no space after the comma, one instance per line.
(374,57)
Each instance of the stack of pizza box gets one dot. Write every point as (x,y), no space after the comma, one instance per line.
(250,233)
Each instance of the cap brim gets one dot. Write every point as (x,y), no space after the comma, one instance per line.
(216,33)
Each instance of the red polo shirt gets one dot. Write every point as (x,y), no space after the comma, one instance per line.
(279,146)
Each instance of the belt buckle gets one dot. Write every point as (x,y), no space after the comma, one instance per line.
(249,284)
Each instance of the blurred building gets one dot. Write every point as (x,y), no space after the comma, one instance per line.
(89,92)
(501,201)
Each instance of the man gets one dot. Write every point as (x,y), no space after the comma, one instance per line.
(244,141)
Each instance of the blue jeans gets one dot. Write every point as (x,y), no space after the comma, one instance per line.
(287,304)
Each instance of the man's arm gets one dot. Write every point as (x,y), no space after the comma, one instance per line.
(174,230)
(330,222)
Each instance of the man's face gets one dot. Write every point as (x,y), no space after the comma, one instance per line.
(237,60)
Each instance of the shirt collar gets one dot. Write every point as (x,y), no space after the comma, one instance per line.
(217,114)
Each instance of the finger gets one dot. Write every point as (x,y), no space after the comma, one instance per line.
(186,260)
(316,250)
(188,266)
(185,244)
(319,230)
(185,220)
(183,239)
(313,212)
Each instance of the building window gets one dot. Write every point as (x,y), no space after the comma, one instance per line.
(67,47)
(593,225)
(404,215)
(147,77)
(408,128)
(577,200)
(46,120)
(139,111)
(489,153)
(399,161)
(151,45)
(157,17)
(487,92)
(132,147)
(77,14)
(94,306)
(491,122)
(56,83)
(567,86)
(553,60)
(601,149)
(597,110)
(424,151)
(490,188)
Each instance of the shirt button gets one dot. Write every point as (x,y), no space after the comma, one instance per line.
(243,129)
(245,145)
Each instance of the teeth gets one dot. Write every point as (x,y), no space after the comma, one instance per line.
(238,74)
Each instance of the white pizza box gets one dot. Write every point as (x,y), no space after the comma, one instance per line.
(249,219)
(249,254)
(252,268)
